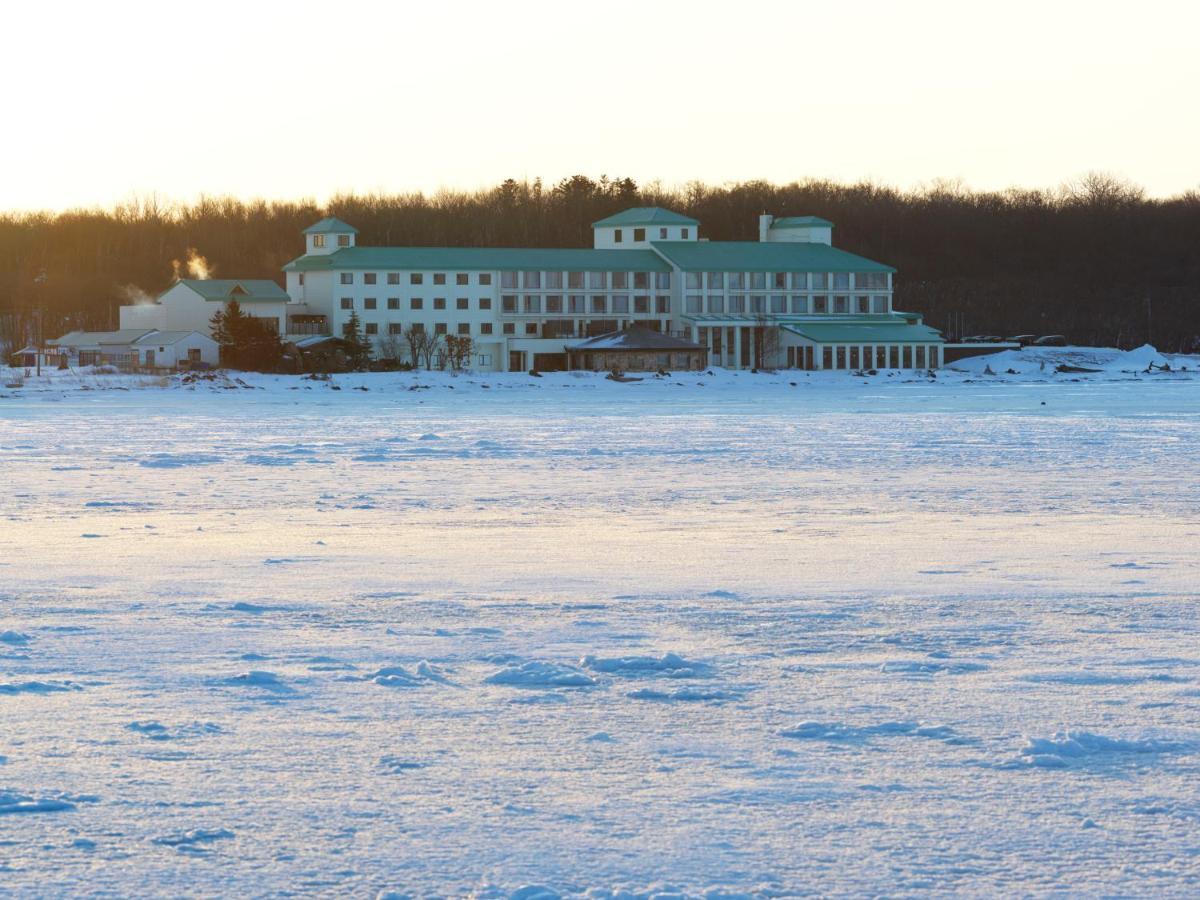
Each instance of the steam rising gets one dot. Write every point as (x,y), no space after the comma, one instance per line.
(196,266)
(134,295)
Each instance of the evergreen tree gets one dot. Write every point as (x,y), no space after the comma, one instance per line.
(360,347)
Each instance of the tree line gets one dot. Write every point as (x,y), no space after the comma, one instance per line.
(1095,259)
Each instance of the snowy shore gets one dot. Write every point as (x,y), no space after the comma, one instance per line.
(499,636)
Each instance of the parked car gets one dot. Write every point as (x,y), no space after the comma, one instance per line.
(1021,339)
(1051,340)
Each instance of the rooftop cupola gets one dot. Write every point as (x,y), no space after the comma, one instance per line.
(795,229)
(328,236)
(638,228)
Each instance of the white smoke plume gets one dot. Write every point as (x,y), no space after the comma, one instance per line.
(134,295)
(196,266)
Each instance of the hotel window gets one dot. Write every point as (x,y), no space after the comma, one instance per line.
(620,303)
(575,280)
(485,359)
(508,279)
(485,278)
(368,277)
(879,305)
(716,280)
(620,281)
(553,281)
(820,304)
(871,281)
(462,278)
(508,303)
(641,280)
(841,281)
(416,303)
(683,233)
(617,236)
(343,240)
(485,302)
(694,304)
(418,326)
(439,277)
(554,303)
(464,327)
(779,281)
(533,304)
(662,281)
(370,303)
(531,328)
(820,281)
(393,277)
(716,304)
(737,303)
(318,240)
(393,302)
(639,234)
(778,304)
(485,327)
(301,281)
(840,304)
(599,304)
(439,302)
(462,303)
(662,305)
(597,280)
(347,278)
(800,306)
(641,305)
(576,303)
(662,234)
(347,303)
(758,281)
(862,304)
(509,328)
(736,281)
(692,281)
(416,278)
(395,328)
(799,281)
(439,328)
(371,328)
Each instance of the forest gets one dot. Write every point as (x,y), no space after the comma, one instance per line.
(1095,259)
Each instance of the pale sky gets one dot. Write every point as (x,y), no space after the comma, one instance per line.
(296,99)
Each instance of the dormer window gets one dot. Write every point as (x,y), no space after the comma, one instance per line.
(343,240)
(683,234)
(662,234)
(617,236)
(318,240)
(639,234)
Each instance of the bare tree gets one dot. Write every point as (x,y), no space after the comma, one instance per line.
(765,339)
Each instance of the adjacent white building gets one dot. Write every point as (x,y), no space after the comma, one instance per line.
(189,304)
(133,348)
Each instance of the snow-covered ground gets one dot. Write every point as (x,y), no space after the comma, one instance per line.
(733,634)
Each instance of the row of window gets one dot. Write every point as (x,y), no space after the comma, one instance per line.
(796,281)
(483,303)
(639,234)
(460,278)
(343,240)
(465,328)
(578,304)
(779,305)
(734,281)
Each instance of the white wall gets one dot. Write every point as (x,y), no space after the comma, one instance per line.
(142,315)
(811,234)
(168,356)
(605,238)
(180,308)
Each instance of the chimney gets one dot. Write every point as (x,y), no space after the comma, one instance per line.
(764,225)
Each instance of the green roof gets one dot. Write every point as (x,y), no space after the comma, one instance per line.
(241,290)
(485,259)
(801,222)
(763,256)
(872,330)
(646,215)
(331,225)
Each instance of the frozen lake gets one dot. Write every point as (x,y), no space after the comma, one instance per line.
(727,635)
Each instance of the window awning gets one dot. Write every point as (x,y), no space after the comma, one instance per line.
(866,333)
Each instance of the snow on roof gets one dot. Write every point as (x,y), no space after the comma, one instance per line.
(168,337)
(636,338)
(123,336)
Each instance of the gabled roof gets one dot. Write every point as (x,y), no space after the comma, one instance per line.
(485,259)
(242,290)
(636,337)
(330,225)
(801,222)
(169,337)
(646,215)
(123,336)
(763,256)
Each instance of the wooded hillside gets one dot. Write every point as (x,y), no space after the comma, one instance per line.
(1095,260)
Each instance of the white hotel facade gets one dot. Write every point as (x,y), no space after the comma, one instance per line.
(522,308)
